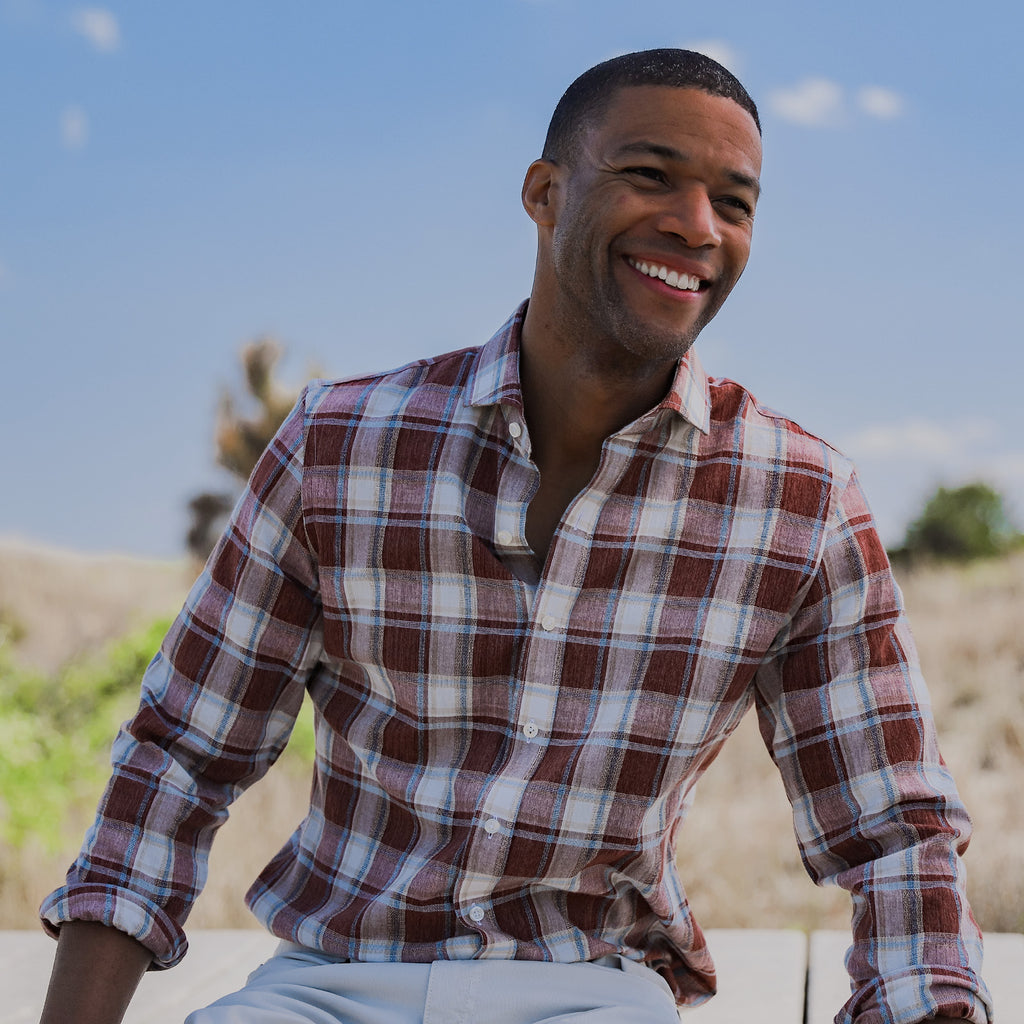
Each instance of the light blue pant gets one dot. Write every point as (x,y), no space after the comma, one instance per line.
(300,985)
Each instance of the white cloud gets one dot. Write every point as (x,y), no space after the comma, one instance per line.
(919,439)
(717,49)
(74,127)
(902,463)
(1011,467)
(880,102)
(815,102)
(99,26)
(952,451)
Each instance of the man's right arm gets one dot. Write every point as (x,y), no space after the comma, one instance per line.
(218,704)
(95,973)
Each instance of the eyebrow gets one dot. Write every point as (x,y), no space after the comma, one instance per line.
(644,148)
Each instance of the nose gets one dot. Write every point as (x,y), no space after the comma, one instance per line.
(689,215)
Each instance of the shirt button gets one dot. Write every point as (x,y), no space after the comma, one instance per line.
(476,912)
(514,429)
(530,729)
(504,537)
(492,825)
(549,622)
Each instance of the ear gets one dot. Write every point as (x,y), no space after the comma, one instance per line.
(540,190)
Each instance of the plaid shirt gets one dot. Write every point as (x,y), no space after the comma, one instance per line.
(505,754)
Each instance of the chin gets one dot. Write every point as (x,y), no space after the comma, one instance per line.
(658,345)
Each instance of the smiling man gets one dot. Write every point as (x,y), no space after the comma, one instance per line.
(644,224)
(530,589)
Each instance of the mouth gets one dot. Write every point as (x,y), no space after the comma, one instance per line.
(673,278)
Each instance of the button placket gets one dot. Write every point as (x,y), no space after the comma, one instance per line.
(516,485)
(497,814)
(540,693)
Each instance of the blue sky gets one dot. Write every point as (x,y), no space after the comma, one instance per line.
(180,178)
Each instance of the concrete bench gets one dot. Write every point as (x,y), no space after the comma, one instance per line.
(765,976)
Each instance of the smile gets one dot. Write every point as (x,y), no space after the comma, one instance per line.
(683,282)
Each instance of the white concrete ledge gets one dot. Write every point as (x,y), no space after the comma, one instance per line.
(762,976)
(218,962)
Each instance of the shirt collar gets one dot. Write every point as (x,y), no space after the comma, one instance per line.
(690,394)
(495,378)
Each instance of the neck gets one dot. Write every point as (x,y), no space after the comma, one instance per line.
(577,392)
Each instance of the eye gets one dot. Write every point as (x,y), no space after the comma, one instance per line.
(735,208)
(648,173)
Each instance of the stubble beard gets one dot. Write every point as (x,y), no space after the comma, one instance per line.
(609,336)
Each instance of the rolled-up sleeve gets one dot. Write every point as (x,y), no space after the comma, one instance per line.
(846,716)
(217,707)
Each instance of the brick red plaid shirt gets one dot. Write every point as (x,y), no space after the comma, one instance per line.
(504,756)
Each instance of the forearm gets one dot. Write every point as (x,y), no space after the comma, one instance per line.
(95,973)
(847,717)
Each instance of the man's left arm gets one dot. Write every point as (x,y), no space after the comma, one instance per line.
(846,716)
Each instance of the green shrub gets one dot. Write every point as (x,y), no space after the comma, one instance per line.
(960,524)
(56,732)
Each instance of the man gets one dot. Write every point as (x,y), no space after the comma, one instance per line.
(530,589)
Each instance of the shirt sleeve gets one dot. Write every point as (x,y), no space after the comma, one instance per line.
(846,716)
(217,707)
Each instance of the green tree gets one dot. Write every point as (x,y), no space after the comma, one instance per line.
(240,439)
(960,524)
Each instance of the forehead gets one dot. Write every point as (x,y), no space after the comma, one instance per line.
(683,119)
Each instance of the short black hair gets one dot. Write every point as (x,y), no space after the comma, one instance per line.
(586,100)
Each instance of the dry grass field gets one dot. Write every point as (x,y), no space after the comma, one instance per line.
(737,853)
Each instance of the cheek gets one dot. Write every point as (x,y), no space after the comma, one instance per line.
(601,215)
(738,254)
(572,246)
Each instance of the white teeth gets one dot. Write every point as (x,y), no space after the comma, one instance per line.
(684,282)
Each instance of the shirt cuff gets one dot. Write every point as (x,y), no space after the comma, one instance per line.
(120,909)
(919,995)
